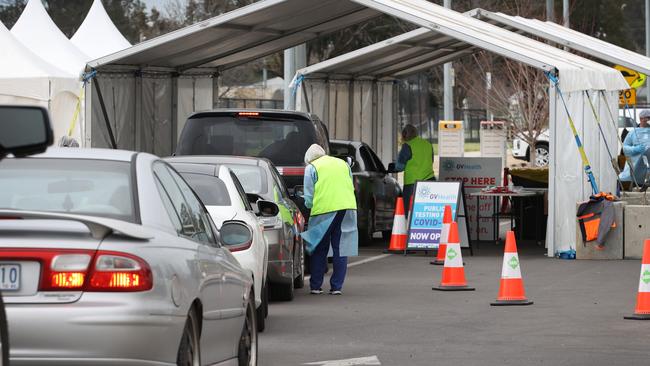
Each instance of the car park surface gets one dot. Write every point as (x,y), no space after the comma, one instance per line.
(114,244)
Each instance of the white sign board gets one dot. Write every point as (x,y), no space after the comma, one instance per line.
(493,139)
(451,138)
(476,174)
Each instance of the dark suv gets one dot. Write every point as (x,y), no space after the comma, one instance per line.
(280,136)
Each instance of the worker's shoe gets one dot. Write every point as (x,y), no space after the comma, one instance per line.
(336,292)
(316,292)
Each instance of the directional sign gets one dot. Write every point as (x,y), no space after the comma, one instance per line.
(627,97)
(634,78)
(367,361)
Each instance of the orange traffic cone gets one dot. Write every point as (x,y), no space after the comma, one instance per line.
(511,289)
(453,274)
(398,235)
(444,236)
(642,311)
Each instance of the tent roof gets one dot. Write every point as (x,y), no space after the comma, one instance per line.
(270,26)
(97,36)
(568,37)
(242,35)
(36,30)
(25,74)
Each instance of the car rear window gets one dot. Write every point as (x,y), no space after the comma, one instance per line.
(211,190)
(252,178)
(284,141)
(78,186)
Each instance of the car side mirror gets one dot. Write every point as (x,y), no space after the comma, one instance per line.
(298,191)
(24,130)
(267,208)
(391,168)
(236,235)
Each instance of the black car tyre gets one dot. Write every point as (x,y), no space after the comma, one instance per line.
(283,291)
(299,280)
(247,349)
(189,352)
(260,315)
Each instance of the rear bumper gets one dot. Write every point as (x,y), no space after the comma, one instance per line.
(99,329)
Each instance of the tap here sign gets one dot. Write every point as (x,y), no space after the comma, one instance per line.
(429,201)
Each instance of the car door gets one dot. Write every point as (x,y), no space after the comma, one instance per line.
(388,192)
(376,193)
(221,287)
(287,214)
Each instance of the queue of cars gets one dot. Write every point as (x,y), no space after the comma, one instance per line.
(164,261)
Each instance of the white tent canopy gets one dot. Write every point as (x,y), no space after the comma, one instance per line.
(392,58)
(97,36)
(568,37)
(36,30)
(25,78)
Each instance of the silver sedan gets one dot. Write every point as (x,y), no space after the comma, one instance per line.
(108,258)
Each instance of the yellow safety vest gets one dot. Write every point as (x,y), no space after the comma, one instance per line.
(333,190)
(420,166)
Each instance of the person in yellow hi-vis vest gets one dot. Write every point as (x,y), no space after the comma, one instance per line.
(415,159)
(329,193)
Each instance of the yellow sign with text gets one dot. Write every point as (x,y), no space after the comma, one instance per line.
(634,78)
(627,97)
(451,125)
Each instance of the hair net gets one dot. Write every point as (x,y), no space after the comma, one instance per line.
(314,152)
(645,113)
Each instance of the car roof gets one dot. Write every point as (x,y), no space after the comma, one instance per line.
(219,160)
(90,154)
(193,168)
(279,112)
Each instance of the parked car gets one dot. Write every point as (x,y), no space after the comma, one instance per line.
(26,130)
(283,137)
(112,259)
(376,190)
(224,197)
(261,181)
(521,149)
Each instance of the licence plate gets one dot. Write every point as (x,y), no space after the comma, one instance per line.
(9,277)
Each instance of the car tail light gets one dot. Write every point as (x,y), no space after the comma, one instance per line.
(100,271)
(288,171)
(248,114)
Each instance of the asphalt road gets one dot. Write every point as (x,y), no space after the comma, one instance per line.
(388,310)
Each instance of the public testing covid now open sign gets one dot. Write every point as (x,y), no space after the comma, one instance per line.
(429,201)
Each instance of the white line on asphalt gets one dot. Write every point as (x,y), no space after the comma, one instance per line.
(363,261)
(372,360)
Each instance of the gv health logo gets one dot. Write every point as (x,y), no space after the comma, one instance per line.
(448,165)
(424,192)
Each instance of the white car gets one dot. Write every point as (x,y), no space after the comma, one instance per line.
(521,149)
(225,199)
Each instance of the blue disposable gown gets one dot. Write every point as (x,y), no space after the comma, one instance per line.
(318,225)
(637,137)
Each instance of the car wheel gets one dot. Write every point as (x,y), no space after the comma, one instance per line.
(366,232)
(299,281)
(260,317)
(541,155)
(283,291)
(247,349)
(189,352)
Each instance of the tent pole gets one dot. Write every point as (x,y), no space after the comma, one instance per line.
(103,106)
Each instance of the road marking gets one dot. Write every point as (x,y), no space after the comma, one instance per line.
(372,360)
(363,261)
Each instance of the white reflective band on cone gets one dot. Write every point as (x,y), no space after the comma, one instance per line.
(511,267)
(399,225)
(644,281)
(453,257)
(444,234)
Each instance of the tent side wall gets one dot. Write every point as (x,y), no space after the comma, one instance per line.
(146,111)
(359,110)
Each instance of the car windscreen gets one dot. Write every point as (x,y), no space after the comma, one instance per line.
(78,186)
(284,141)
(252,178)
(211,190)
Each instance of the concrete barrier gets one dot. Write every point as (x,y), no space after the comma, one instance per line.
(613,242)
(637,229)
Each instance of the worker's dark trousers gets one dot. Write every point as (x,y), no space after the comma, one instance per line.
(319,257)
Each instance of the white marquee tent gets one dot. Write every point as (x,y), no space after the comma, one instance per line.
(97,36)
(27,79)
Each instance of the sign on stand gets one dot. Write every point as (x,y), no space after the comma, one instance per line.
(476,174)
(493,139)
(451,138)
(425,223)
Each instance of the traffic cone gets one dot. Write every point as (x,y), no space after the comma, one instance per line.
(444,236)
(642,311)
(398,234)
(511,289)
(453,274)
